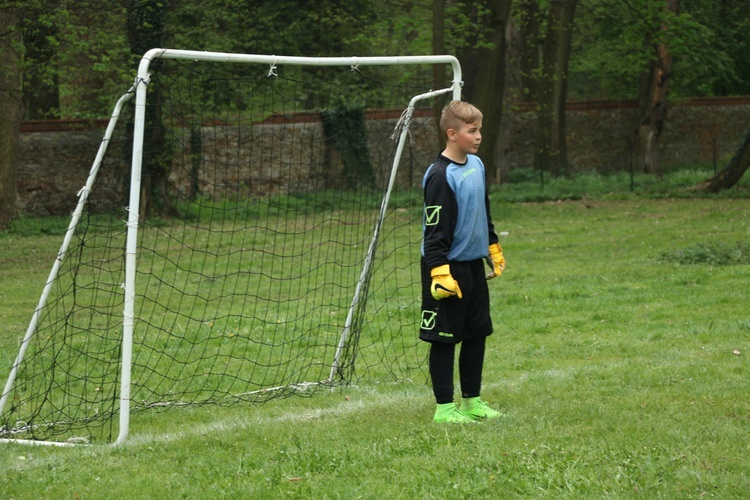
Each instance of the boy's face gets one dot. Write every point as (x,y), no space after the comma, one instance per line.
(468,137)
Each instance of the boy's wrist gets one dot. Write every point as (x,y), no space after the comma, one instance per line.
(441,270)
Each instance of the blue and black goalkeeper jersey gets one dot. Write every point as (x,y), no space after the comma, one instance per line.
(457,225)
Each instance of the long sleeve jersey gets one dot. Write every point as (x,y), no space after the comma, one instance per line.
(456,221)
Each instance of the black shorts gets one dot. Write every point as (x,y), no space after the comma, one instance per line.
(452,320)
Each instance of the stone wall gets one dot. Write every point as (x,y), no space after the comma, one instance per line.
(56,157)
(599,133)
(249,161)
(55,162)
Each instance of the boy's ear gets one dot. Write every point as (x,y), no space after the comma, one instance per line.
(450,134)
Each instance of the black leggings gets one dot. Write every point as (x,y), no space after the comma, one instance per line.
(470,361)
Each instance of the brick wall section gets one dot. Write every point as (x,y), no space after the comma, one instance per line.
(57,156)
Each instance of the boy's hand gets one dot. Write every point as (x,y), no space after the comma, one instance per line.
(443,285)
(498,261)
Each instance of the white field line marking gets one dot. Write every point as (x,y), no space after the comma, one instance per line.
(361,400)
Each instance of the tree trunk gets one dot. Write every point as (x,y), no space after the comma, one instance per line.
(41,87)
(522,64)
(550,152)
(732,173)
(438,48)
(485,76)
(509,97)
(490,88)
(11,110)
(529,49)
(146,26)
(652,105)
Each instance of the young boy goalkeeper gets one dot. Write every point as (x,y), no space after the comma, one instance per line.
(458,237)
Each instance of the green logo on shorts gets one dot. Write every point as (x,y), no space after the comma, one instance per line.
(428,320)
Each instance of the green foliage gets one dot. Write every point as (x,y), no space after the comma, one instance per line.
(613,43)
(91,61)
(146,25)
(716,57)
(323,28)
(405,30)
(468,25)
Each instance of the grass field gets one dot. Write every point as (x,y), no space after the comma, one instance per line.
(620,354)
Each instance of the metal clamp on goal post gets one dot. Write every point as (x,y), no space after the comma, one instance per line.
(272,70)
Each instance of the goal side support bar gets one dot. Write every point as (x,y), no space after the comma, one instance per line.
(403,126)
(83,195)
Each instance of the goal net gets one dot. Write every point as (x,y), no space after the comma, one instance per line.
(249,230)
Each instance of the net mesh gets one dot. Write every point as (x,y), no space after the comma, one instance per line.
(260,194)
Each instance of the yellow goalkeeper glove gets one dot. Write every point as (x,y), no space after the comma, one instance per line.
(498,261)
(443,285)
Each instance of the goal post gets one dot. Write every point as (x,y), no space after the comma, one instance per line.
(240,281)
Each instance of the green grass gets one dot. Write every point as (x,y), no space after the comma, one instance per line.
(622,365)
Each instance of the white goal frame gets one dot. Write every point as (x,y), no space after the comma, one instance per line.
(139,90)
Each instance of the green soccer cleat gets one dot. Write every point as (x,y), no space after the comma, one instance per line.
(477,409)
(448,413)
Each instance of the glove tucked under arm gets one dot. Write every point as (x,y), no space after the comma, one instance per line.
(443,285)
(498,261)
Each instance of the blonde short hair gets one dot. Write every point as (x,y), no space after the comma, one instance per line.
(458,113)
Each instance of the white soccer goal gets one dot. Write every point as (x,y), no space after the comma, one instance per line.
(251,232)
